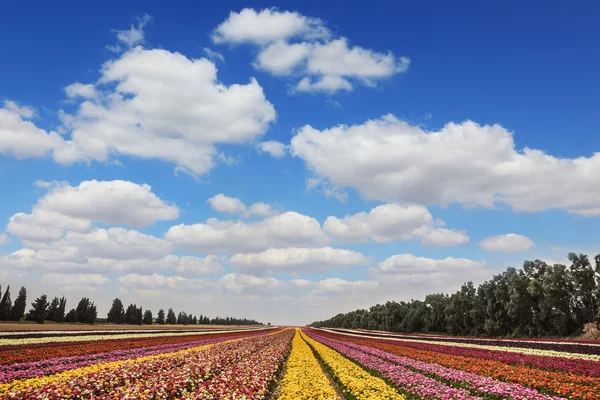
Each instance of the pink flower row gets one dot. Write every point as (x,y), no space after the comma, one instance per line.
(570,365)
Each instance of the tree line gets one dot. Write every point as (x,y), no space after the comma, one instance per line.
(86,312)
(133,314)
(41,310)
(535,300)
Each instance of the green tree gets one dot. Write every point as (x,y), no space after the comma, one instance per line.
(53,309)
(60,311)
(86,311)
(116,314)
(160,319)
(584,289)
(171,318)
(18,309)
(71,316)
(182,318)
(6,305)
(148,317)
(130,314)
(39,309)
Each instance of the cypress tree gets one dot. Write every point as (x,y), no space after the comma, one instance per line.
(148,317)
(53,309)
(117,312)
(18,309)
(160,319)
(60,312)
(6,306)
(171,318)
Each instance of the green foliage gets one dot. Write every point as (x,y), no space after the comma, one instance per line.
(537,300)
(148,317)
(71,316)
(6,306)
(160,319)
(171,318)
(18,309)
(86,311)
(39,309)
(116,313)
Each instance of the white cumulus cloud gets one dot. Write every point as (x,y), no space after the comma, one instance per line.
(291,44)
(299,260)
(274,148)
(509,243)
(390,223)
(391,160)
(215,236)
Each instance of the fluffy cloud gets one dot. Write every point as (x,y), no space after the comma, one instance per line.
(403,267)
(342,286)
(20,137)
(215,236)
(87,91)
(509,243)
(470,164)
(4,239)
(262,209)
(268,25)
(298,260)
(234,205)
(440,237)
(238,283)
(291,44)
(176,111)
(231,205)
(391,223)
(74,208)
(157,281)
(110,202)
(71,260)
(274,148)
(81,282)
(116,243)
(132,36)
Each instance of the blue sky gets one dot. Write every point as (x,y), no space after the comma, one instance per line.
(182,99)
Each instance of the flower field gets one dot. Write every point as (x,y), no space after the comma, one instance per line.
(286,364)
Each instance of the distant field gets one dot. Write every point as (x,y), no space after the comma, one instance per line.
(30,327)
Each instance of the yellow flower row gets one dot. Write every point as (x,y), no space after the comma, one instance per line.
(521,350)
(355,381)
(304,379)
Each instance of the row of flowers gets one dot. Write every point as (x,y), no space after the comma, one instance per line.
(354,381)
(304,379)
(576,366)
(40,334)
(165,376)
(410,374)
(567,347)
(41,351)
(549,382)
(51,366)
(518,350)
(412,383)
(4,343)
(252,378)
